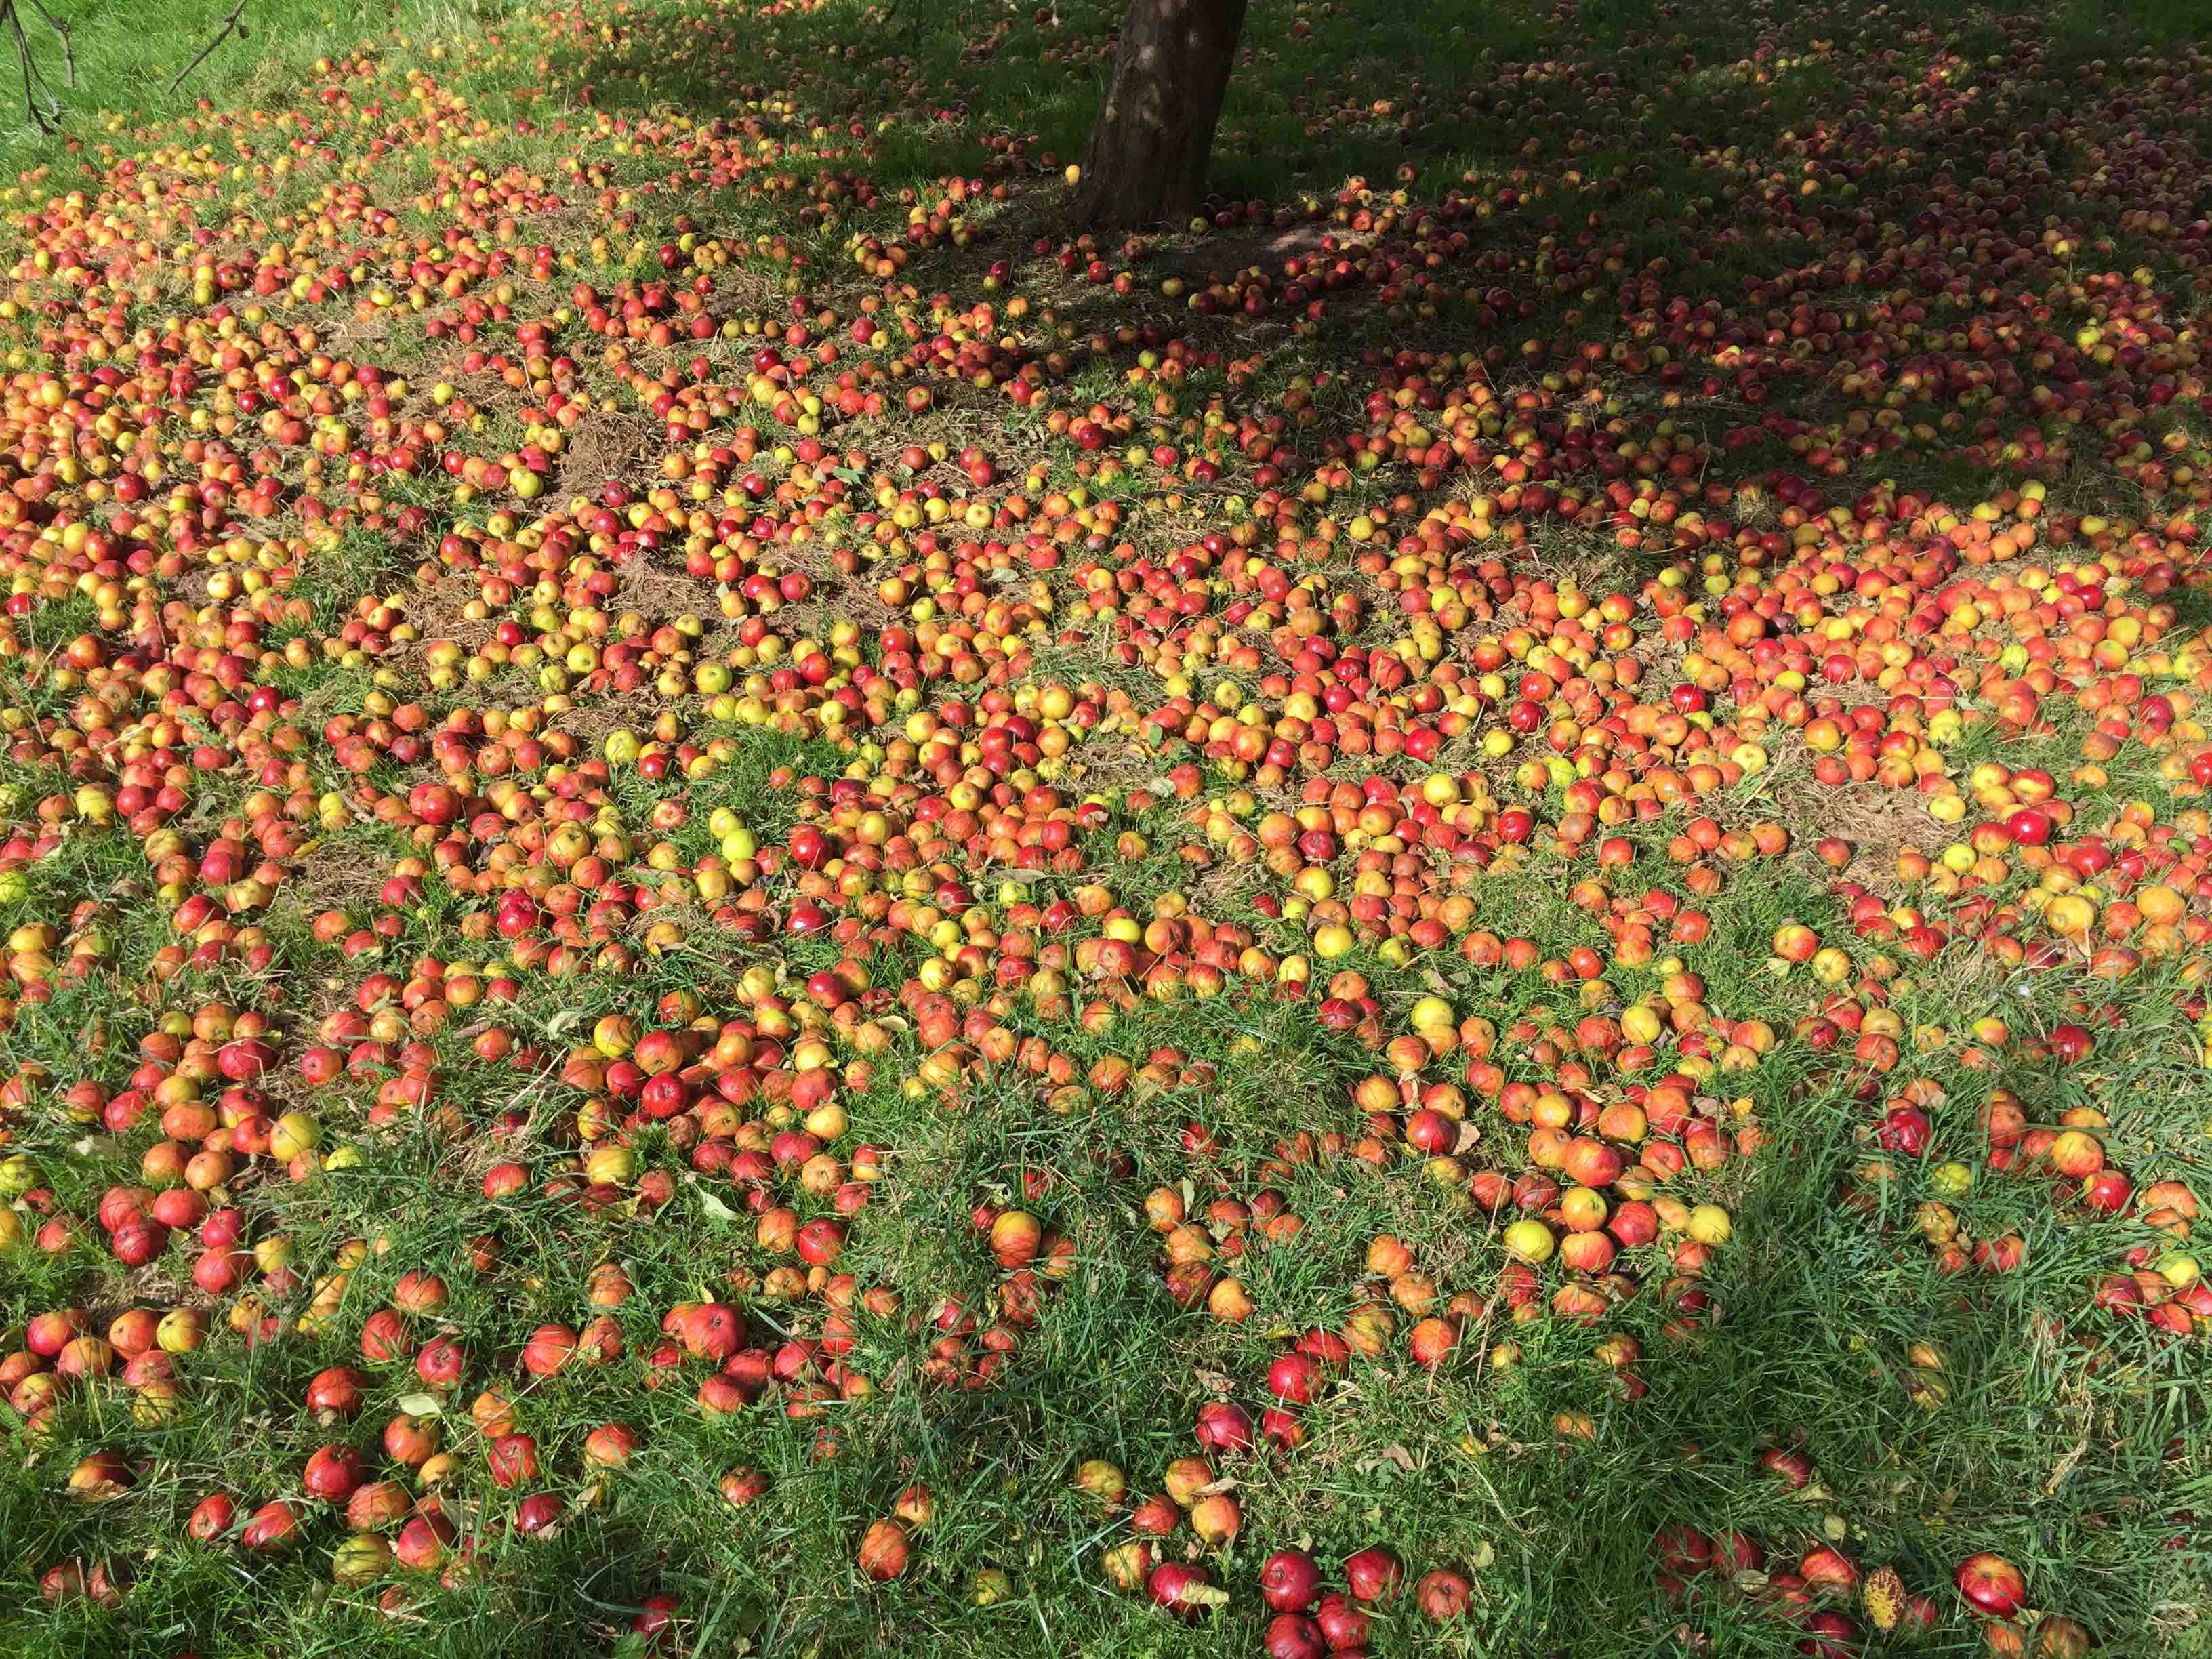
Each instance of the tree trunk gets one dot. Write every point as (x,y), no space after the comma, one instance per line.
(1147,159)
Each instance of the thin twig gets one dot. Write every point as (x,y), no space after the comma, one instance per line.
(38,77)
(28,64)
(229,24)
(69,47)
(40,101)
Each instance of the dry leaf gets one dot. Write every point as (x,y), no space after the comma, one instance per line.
(2064,1468)
(1390,1456)
(1883,1597)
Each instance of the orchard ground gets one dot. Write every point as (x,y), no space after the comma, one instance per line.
(748,911)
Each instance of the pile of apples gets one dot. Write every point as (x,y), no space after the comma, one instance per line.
(953,706)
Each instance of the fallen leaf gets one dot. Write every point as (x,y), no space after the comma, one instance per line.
(715,1207)
(2064,1468)
(1882,1595)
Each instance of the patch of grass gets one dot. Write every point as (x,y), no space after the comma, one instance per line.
(128,62)
(480,1121)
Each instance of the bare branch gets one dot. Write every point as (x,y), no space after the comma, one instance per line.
(60,27)
(42,117)
(231,24)
(40,102)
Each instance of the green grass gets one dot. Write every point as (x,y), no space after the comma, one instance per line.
(2068,1438)
(128,59)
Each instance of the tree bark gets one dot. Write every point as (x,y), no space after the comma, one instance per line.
(1150,149)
